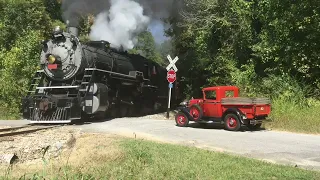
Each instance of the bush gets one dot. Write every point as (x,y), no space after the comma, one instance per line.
(289,115)
(292,109)
(23,24)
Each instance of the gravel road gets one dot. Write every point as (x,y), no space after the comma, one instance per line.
(279,147)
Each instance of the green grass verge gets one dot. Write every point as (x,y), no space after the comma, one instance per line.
(290,116)
(6,114)
(150,160)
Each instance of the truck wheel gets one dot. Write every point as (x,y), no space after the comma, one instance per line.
(232,122)
(196,112)
(181,119)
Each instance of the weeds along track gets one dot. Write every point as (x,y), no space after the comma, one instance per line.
(26,129)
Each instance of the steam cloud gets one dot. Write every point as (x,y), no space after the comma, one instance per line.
(119,21)
(120,25)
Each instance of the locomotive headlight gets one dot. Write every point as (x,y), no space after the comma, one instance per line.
(51,59)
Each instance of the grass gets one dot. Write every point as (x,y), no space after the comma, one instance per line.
(290,116)
(6,114)
(139,159)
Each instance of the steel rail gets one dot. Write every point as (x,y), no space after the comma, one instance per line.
(14,128)
(25,131)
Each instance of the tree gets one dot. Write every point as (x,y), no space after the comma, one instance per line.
(164,48)
(146,47)
(289,39)
(213,39)
(23,24)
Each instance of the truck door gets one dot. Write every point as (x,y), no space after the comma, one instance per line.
(210,104)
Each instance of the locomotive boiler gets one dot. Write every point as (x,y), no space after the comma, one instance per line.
(80,80)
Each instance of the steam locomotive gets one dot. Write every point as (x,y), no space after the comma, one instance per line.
(81,80)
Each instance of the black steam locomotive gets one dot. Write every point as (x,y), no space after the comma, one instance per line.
(80,80)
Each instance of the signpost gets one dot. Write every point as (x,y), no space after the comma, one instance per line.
(171,77)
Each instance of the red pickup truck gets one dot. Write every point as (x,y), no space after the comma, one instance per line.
(222,104)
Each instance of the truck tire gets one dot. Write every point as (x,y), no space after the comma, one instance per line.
(181,119)
(196,112)
(232,122)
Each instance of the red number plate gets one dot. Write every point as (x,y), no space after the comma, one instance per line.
(52,66)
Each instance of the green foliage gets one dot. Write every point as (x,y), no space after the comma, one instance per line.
(290,115)
(20,17)
(288,41)
(84,28)
(19,65)
(53,7)
(23,24)
(242,42)
(212,38)
(146,47)
(164,49)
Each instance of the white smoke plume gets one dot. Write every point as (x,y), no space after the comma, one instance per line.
(120,24)
(119,21)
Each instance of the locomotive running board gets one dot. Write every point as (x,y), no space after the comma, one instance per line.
(58,87)
(50,122)
(114,73)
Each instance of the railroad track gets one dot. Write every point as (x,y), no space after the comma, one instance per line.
(26,129)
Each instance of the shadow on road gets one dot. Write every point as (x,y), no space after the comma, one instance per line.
(92,120)
(218,126)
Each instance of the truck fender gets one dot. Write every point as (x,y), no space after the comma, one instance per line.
(234,111)
(185,110)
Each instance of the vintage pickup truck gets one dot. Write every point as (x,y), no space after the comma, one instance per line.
(222,104)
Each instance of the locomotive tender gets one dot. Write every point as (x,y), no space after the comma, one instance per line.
(80,80)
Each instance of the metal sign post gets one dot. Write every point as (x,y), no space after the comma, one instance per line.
(169,99)
(171,77)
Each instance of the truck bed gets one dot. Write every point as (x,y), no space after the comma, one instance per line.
(245,101)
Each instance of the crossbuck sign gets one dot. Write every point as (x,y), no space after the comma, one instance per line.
(172,63)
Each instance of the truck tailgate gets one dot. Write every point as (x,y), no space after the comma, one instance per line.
(261,110)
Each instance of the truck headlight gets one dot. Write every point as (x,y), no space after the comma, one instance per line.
(184,103)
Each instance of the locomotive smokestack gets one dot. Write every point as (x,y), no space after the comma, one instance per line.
(73,30)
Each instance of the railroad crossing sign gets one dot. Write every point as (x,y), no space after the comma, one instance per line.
(171,76)
(172,63)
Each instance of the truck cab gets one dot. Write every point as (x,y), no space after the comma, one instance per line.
(222,104)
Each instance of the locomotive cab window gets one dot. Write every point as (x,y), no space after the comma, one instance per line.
(146,71)
(154,70)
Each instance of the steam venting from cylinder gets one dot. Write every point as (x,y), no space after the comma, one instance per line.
(120,21)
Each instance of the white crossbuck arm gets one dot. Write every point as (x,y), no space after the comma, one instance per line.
(172,63)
